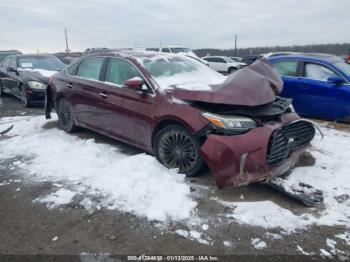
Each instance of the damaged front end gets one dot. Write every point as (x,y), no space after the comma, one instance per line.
(270,149)
(252,134)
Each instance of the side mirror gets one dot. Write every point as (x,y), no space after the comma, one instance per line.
(11,69)
(336,80)
(134,83)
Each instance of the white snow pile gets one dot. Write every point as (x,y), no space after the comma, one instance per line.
(43,72)
(138,184)
(60,197)
(330,174)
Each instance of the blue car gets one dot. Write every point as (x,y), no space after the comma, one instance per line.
(319,84)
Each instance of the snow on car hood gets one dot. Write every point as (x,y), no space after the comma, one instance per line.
(254,85)
(43,72)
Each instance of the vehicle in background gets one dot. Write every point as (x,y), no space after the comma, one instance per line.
(67,58)
(152,49)
(236,58)
(272,54)
(347,60)
(5,53)
(250,59)
(319,84)
(184,113)
(223,64)
(177,49)
(26,76)
(93,50)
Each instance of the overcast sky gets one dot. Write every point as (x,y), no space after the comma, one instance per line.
(29,25)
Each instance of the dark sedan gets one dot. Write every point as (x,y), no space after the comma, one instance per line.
(26,76)
(184,113)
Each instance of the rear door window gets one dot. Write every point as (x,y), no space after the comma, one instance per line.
(286,68)
(318,72)
(120,70)
(90,68)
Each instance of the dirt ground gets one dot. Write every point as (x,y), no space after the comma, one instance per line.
(28,228)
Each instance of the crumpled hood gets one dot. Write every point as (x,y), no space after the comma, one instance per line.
(256,84)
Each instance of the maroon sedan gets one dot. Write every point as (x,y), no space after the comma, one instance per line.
(185,113)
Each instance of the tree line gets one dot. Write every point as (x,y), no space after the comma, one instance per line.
(335,49)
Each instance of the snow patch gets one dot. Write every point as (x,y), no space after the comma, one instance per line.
(194,235)
(266,214)
(345,236)
(138,184)
(257,243)
(60,197)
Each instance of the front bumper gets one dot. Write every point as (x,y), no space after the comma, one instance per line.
(241,159)
(36,96)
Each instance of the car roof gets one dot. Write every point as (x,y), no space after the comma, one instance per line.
(311,57)
(130,54)
(33,55)
(11,51)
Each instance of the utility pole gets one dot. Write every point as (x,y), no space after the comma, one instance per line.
(235,44)
(65,33)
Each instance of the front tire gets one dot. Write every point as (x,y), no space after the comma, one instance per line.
(175,147)
(65,115)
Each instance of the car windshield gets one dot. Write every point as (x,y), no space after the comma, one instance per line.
(343,66)
(180,50)
(2,56)
(41,62)
(183,72)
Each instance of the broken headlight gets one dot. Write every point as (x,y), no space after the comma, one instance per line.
(236,124)
(36,85)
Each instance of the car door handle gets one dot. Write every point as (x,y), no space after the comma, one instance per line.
(103,95)
(69,85)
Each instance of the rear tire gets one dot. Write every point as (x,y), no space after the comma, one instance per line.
(175,147)
(65,115)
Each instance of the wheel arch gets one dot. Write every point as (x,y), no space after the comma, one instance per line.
(166,121)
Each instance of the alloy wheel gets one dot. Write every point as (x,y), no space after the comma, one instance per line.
(177,150)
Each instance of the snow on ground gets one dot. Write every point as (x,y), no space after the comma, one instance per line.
(138,184)
(60,197)
(330,174)
(345,236)
(257,243)
(194,235)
